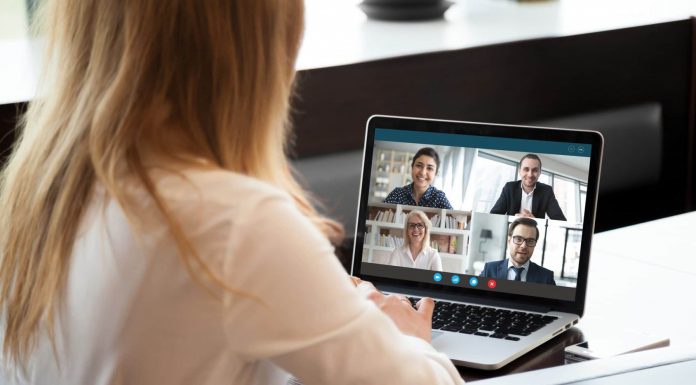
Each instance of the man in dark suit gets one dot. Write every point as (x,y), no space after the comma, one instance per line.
(522,238)
(527,197)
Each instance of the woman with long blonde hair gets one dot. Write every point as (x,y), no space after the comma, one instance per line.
(151,229)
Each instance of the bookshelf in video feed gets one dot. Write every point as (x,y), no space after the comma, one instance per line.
(392,169)
(385,227)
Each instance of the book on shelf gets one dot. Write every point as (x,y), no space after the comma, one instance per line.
(435,220)
(449,222)
(390,241)
(457,222)
(454,221)
(398,218)
(386,216)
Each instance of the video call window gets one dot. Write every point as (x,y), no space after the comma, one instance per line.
(467,185)
(492,172)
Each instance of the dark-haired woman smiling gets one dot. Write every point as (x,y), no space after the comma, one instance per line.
(421,192)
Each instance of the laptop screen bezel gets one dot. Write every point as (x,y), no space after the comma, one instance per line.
(490,130)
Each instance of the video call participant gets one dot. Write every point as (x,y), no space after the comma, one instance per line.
(424,168)
(527,197)
(416,251)
(522,238)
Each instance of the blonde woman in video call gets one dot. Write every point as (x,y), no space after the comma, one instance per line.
(152,231)
(416,251)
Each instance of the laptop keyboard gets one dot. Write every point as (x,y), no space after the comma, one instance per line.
(486,321)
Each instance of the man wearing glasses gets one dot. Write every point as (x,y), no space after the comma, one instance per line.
(523,235)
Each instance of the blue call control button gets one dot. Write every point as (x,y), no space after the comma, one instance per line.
(473,281)
(455,279)
(437,277)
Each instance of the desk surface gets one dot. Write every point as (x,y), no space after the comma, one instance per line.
(639,279)
(668,365)
(642,275)
(337,32)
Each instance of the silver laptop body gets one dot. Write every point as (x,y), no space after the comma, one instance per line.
(479,167)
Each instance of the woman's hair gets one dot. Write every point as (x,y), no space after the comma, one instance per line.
(421,215)
(428,151)
(125,82)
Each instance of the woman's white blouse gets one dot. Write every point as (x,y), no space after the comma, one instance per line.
(133,315)
(428,258)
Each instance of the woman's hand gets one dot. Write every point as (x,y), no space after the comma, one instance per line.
(356,281)
(410,321)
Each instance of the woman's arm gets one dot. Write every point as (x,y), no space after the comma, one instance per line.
(313,322)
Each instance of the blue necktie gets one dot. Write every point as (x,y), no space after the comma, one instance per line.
(518,273)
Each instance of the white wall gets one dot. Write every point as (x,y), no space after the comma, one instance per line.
(491,249)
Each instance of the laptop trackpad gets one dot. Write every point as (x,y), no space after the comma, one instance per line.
(435,334)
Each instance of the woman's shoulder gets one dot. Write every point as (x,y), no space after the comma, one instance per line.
(430,251)
(401,249)
(398,195)
(215,187)
(438,198)
(401,190)
(437,192)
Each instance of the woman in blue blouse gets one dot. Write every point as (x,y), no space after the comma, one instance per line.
(424,168)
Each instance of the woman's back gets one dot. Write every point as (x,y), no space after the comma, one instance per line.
(132,312)
(134,315)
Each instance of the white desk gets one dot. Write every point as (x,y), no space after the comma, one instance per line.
(337,32)
(667,365)
(644,277)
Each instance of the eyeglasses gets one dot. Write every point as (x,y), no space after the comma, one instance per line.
(417,226)
(531,242)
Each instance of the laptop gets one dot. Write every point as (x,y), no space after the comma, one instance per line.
(503,285)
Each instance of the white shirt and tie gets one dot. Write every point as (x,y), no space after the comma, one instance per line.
(512,274)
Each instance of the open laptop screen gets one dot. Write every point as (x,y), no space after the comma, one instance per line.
(486,208)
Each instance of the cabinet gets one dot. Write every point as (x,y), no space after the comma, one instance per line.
(449,233)
(391,169)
